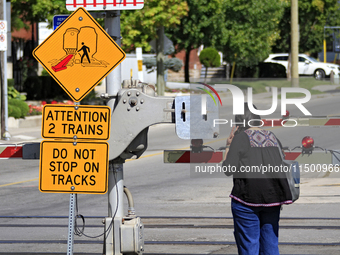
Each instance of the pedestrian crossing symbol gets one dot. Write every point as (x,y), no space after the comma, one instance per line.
(79,54)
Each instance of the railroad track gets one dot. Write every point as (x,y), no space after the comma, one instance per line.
(166,235)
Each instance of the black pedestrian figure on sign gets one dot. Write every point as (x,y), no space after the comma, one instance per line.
(85,53)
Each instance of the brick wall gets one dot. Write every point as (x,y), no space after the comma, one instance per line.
(194,67)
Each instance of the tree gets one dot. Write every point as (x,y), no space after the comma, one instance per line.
(140,27)
(313,16)
(209,57)
(253,29)
(204,24)
(25,12)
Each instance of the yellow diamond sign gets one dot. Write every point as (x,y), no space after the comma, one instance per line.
(79,54)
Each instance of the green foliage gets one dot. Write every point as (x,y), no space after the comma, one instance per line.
(253,29)
(12,93)
(313,16)
(26,66)
(14,111)
(10,82)
(26,12)
(17,108)
(259,86)
(209,57)
(174,64)
(139,27)
(204,24)
(44,73)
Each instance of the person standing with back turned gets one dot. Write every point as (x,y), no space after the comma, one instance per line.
(257,196)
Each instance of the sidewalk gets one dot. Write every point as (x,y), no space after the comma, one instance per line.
(23,135)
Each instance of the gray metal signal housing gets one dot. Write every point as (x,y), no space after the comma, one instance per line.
(132,236)
(195,115)
(138,108)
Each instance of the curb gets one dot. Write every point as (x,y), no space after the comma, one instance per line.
(27,122)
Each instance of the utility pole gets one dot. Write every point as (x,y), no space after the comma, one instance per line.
(160,61)
(116,177)
(294,43)
(4,100)
(2,106)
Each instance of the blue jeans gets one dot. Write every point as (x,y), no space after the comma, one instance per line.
(256,229)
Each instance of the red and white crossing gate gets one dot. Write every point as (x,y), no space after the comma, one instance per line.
(302,122)
(10,151)
(24,151)
(319,157)
(181,156)
(104,5)
(186,156)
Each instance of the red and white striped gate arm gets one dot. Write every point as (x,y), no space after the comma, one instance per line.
(104,5)
(185,156)
(317,157)
(10,151)
(302,122)
(182,156)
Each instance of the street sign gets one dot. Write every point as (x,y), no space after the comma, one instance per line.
(79,54)
(68,167)
(3,35)
(58,19)
(76,122)
(104,5)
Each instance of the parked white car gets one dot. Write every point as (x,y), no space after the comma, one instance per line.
(307,65)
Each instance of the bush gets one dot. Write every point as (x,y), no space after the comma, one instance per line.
(12,92)
(173,64)
(209,57)
(272,70)
(14,111)
(20,105)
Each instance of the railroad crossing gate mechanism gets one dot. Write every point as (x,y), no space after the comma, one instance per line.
(79,54)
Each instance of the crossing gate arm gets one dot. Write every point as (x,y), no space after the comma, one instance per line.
(186,156)
(24,151)
(317,157)
(8,151)
(315,121)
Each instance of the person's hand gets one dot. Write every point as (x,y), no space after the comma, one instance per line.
(231,135)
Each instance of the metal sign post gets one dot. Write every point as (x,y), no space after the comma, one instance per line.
(116,183)
(70,225)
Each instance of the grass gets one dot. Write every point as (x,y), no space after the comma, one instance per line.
(259,86)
